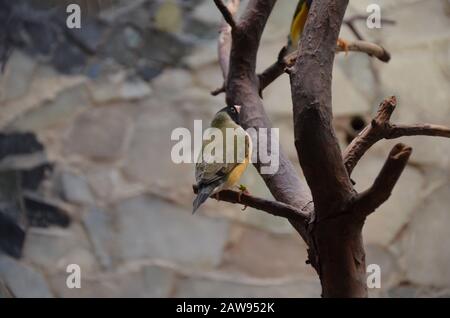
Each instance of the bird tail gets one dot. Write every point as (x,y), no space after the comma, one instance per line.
(202,195)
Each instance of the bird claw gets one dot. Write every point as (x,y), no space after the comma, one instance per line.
(343,44)
(242,190)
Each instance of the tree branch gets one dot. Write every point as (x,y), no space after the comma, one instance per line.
(286,61)
(369,48)
(397,131)
(368,201)
(226,13)
(242,88)
(315,140)
(381,128)
(224,44)
(272,207)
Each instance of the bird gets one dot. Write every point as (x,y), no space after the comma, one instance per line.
(298,25)
(213,177)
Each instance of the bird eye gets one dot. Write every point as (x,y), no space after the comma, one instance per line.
(233,110)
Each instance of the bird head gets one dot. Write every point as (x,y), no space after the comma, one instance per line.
(232,111)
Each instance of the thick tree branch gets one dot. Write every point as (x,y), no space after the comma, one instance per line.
(315,139)
(381,128)
(272,207)
(368,201)
(242,88)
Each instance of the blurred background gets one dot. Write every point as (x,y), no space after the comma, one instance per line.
(86,176)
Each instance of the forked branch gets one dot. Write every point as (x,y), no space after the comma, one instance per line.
(381,128)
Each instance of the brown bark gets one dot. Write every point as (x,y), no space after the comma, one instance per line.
(329,214)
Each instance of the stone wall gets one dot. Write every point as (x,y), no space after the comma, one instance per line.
(106,124)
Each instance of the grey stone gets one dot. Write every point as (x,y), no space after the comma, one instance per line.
(129,12)
(133,90)
(103,182)
(43,212)
(168,17)
(12,212)
(390,270)
(101,287)
(171,82)
(99,134)
(98,224)
(359,72)
(403,291)
(151,228)
(45,87)
(22,280)
(17,78)
(209,77)
(148,159)
(90,36)
(4,291)
(287,255)
(415,94)
(200,288)
(56,112)
(69,58)
(118,88)
(147,282)
(347,98)
(53,249)
(134,38)
(203,55)
(419,33)
(278,24)
(76,189)
(107,90)
(207,13)
(165,47)
(424,256)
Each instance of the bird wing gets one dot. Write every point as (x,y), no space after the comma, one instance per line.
(211,170)
(298,22)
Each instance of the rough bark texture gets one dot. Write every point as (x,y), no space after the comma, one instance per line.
(329,214)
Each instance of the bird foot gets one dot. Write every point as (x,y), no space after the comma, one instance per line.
(343,44)
(242,190)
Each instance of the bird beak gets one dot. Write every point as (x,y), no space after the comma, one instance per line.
(238,108)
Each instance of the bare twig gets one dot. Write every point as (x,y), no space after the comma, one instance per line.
(224,43)
(381,128)
(396,131)
(284,62)
(226,13)
(369,48)
(219,90)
